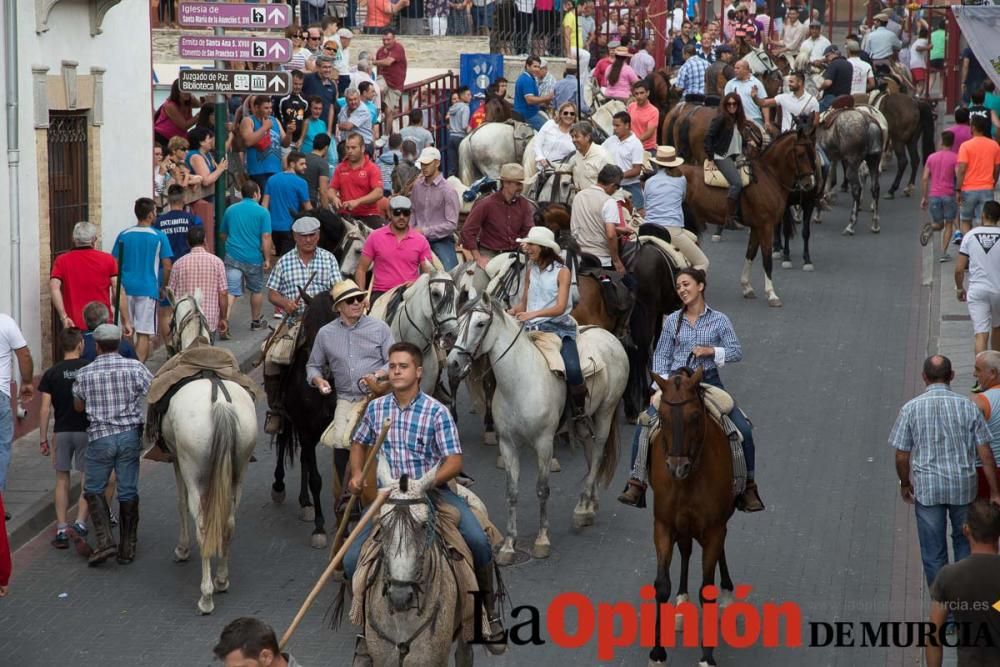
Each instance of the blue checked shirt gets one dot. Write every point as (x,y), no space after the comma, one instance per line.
(289,274)
(691,75)
(711,329)
(941,429)
(113,389)
(419,438)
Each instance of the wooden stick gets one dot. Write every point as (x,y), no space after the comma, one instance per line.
(380,499)
(364,473)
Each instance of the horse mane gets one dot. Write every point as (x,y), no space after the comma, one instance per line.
(331,228)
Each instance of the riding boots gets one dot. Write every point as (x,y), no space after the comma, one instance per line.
(361,656)
(100,517)
(749,500)
(634,494)
(732,209)
(578,400)
(128,526)
(272,388)
(484,579)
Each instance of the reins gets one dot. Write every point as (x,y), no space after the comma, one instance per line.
(177,329)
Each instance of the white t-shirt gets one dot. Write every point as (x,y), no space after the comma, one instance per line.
(792,106)
(815,46)
(918,59)
(862,70)
(982,247)
(626,154)
(11,339)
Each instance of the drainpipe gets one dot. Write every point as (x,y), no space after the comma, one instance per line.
(13,155)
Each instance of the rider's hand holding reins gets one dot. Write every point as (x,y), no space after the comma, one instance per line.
(322,385)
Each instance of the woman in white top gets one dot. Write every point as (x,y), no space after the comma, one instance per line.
(552,143)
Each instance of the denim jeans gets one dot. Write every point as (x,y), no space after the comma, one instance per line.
(483,16)
(445,251)
(732,173)
(454,141)
(6,437)
(932,531)
(826,101)
(119,452)
(536,121)
(468,526)
(310,14)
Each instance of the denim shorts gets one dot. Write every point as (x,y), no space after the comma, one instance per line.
(943,209)
(238,273)
(972,203)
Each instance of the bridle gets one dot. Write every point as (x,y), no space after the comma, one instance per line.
(436,320)
(177,328)
(800,175)
(677,423)
(476,306)
(350,236)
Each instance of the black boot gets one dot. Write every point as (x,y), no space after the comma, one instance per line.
(361,656)
(484,579)
(128,527)
(732,209)
(578,400)
(100,518)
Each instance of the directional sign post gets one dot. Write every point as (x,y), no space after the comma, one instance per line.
(234,15)
(250,49)
(234,82)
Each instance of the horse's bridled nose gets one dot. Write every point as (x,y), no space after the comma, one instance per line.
(400,597)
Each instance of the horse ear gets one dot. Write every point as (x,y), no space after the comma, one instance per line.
(198,295)
(698,375)
(305,297)
(424,484)
(660,382)
(383,474)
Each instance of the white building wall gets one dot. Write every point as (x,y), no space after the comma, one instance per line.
(123,49)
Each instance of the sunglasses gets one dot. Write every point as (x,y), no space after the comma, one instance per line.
(312,39)
(731,104)
(330,48)
(354,300)
(401,211)
(569,113)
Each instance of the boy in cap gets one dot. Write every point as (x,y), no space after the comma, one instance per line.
(399,253)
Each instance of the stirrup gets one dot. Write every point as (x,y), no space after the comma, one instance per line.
(497,635)
(273,423)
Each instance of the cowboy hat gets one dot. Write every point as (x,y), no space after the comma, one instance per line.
(542,236)
(512,172)
(666,156)
(345,289)
(621,52)
(883,16)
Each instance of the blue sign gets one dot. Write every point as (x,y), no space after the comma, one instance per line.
(478,71)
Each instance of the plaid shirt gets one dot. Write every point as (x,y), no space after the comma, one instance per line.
(289,274)
(941,429)
(199,269)
(711,329)
(691,75)
(113,388)
(419,436)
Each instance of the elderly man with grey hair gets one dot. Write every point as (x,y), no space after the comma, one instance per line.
(589,158)
(987,372)
(82,275)
(364,73)
(95,314)
(355,117)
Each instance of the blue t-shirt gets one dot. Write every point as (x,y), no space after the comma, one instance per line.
(140,250)
(243,223)
(525,85)
(287,192)
(314,127)
(267,161)
(175,224)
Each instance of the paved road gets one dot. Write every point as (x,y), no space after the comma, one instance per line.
(822,379)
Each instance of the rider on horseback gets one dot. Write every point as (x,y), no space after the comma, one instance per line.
(707,335)
(723,144)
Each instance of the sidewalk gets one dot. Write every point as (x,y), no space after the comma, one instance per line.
(31,480)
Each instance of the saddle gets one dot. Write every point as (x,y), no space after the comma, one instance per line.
(387,305)
(618,297)
(550,345)
(674,256)
(715,179)
(829,117)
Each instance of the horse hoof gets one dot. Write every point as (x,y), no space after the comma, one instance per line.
(181,555)
(656,663)
(583,519)
(876,229)
(505,557)
(277,496)
(725,598)
(890,195)
(307,514)
(848,231)
(541,550)
(716,238)
(774,302)
(786,265)
(554,466)
(749,294)
(318,541)
(679,618)
(500,463)
(221,585)
(776,254)
(808,267)
(490,438)
(206,606)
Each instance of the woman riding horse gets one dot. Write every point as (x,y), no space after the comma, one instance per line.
(707,335)
(723,143)
(552,143)
(545,306)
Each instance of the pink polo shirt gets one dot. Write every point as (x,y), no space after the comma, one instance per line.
(396,261)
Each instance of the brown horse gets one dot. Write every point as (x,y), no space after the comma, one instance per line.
(910,121)
(691,473)
(787,164)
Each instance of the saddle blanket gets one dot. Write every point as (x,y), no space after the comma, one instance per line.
(192,361)
(458,550)
(386,305)
(549,344)
(715,179)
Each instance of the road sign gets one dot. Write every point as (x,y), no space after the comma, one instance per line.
(234,15)
(230,82)
(253,49)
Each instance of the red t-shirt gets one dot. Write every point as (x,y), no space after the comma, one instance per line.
(394,74)
(86,276)
(356,183)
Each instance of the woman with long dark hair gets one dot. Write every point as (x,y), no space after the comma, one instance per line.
(695,336)
(723,143)
(175,116)
(621,76)
(200,160)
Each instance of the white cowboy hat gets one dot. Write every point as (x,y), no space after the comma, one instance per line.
(512,172)
(345,289)
(542,236)
(666,156)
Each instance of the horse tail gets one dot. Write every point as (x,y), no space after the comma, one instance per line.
(217,499)
(606,473)
(926,129)
(466,168)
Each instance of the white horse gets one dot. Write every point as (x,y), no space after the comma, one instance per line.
(489,147)
(211,426)
(348,251)
(528,405)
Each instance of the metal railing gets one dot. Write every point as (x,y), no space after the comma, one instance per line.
(432,97)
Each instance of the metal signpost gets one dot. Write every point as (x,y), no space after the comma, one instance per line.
(248,49)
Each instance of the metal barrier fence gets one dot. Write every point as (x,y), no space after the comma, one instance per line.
(517,32)
(431,97)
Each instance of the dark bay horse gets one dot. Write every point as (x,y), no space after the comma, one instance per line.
(910,121)
(786,164)
(308,414)
(691,474)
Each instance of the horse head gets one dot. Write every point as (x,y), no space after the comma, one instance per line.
(331,229)
(554,215)
(348,251)
(404,175)
(792,157)
(188,323)
(474,325)
(444,308)
(407,529)
(319,311)
(682,420)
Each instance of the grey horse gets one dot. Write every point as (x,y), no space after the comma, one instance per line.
(854,138)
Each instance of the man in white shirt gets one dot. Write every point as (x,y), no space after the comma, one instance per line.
(792,104)
(980,254)
(792,33)
(743,85)
(12,344)
(812,48)
(594,219)
(589,157)
(864,78)
(628,153)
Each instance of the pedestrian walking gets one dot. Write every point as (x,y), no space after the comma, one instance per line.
(145,265)
(5,562)
(175,223)
(980,255)
(435,208)
(391,62)
(937,437)
(317,173)
(264,137)
(645,117)
(202,271)
(396,253)
(111,390)
(82,275)
(987,371)
(458,127)
(248,641)
(95,314)
(976,172)
(12,344)
(497,221)
(937,183)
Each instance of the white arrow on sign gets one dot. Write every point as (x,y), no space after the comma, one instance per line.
(275,16)
(277,83)
(277,50)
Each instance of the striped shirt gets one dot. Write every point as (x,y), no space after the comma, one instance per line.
(711,329)
(691,76)
(419,437)
(113,389)
(199,269)
(290,273)
(349,353)
(941,429)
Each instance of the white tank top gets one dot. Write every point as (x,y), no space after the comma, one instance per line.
(544,290)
